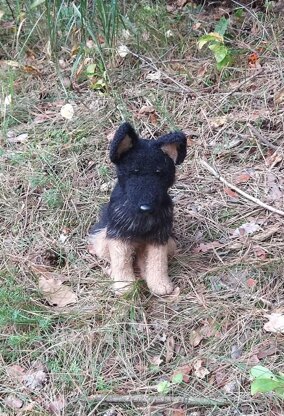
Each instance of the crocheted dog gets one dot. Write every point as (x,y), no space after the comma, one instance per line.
(136,224)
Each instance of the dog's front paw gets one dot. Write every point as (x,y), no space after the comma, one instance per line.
(121,287)
(161,288)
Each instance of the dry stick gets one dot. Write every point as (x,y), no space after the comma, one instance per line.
(239,191)
(140,398)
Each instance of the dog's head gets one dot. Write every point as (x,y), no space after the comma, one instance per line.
(146,168)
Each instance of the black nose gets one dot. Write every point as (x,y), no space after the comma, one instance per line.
(146,208)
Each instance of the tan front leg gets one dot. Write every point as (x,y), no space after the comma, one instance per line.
(121,259)
(156,269)
(98,244)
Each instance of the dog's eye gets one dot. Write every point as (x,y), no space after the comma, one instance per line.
(136,171)
(158,171)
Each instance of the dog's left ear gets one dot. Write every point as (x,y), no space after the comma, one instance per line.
(124,139)
(174,145)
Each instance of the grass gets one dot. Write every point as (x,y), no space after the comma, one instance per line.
(53,184)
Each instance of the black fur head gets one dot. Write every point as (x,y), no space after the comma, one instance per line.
(140,207)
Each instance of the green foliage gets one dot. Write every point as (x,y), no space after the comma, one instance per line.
(215,42)
(165,386)
(264,381)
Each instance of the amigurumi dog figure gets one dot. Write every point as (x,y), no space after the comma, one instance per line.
(136,225)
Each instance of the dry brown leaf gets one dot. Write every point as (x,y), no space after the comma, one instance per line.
(199,370)
(185,370)
(146,109)
(55,292)
(22,138)
(216,122)
(35,380)
(279,96)
(273,159)
(179,412)
(260,252)
(202,70)
(231,193)
(16,372)
(251,282)
(170,348)
(267,352)
(29,69)
(156,360)
(242,178)
(13,402)
(195,338)
(275,323)
(246,229)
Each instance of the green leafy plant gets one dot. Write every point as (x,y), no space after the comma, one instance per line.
(264,381)
(215,42)
(164,386)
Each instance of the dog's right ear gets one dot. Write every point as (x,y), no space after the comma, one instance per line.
(124,139)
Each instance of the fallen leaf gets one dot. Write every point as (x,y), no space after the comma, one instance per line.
(154,76)
(200,372)
(31,70)
(56,406)
(13,402)
(231,193)
(275,323)
(230,387)
(156,360)
(123,51)
(55,292)
(243,178)
(251,282)
(267,352)
(279,96)
(205,247)
(179,412)
(170,347)
(202,70)
(195,338)
(236,352)
(22,138)
(253,60)
(35,380)
(216,122)
(273,160)
(146,109)
(15,372)
(252,360)
(67,111)
(221,378)
(185,370)
(260,252)
(246,229)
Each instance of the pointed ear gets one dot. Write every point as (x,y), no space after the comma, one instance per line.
(124,139)
(174,145)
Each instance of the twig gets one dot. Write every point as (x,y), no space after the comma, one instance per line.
(239,191)
(261,138)
(140,398)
